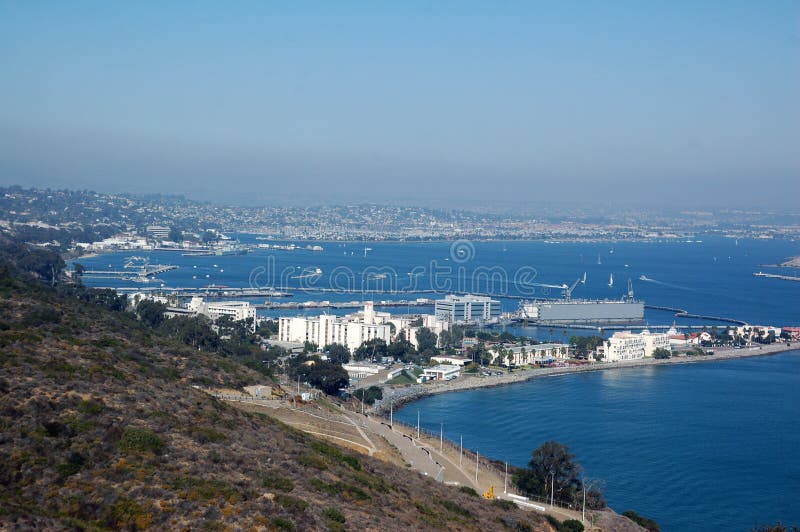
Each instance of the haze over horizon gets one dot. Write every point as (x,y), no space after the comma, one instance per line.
(433,103)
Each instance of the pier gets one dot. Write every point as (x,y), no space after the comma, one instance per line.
(345,304)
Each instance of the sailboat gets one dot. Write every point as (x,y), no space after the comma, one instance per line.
(584,278)
(598,259)
(611,281)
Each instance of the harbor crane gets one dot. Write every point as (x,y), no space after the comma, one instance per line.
(566,290)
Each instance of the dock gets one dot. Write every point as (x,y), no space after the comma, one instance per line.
(344,304)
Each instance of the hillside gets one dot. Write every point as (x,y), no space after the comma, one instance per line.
(101,428)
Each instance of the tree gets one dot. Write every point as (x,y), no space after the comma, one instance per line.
(426,339)
(310,347)
(337,353)
(78,268)
(373,348)
(267,328)
(553,465)
(151,312)
(369,395)
(661,353)
(176,234)
(323,374)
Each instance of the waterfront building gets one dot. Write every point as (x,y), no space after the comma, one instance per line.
(467,309)
(350,331)
(626,345)
(362,370)
(453,360)
(237,310)
(529,354)
(443,372)
(752,333)
(159,232)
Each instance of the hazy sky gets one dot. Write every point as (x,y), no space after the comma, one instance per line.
(448,102)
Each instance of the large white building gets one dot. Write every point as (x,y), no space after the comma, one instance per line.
(350,331)
(409,325)
(467,309)
(625,345)
(237,310)
(530,354)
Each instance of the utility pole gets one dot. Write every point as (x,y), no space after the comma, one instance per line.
(552,484)
(460,449)
(391,414)
(583,512)
(417,423)
(441,436)
(476,465)
(505,480)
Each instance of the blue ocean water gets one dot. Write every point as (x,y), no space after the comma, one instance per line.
(709,446)
(712,277)
(697,447)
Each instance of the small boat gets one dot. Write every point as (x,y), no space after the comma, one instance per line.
(611,280)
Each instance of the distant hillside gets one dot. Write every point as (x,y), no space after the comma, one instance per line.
(101,428)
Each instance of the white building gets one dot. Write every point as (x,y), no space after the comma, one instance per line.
(444,372)
(530,354)
(362,370)
(237,310)
(429,321)
(625,345)
(467,309)
(453,360)
(350,331)
(158,231)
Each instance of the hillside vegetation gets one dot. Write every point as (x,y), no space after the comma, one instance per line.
(101,427)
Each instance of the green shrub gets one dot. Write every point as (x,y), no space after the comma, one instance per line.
(73,464)
(571,525)
(292,504)
(282,524)
(274,481)
(204,489)
(141,440)
(91,407)
(468,491)
(312,460)
(454,508)
(334,514)
(642,521)
(332,452)
(207,435)
(504,504)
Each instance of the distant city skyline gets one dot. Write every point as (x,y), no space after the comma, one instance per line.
(418,103)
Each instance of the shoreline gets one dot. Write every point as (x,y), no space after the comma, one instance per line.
(402,395)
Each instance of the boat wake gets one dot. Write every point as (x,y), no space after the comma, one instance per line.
(662,283)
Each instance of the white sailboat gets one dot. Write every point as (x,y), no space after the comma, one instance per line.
(611,281)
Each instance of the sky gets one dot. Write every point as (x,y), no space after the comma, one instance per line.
(415,102)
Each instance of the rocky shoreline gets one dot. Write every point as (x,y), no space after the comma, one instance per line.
(399,395)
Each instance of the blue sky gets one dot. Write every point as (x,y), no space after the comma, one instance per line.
(410,102)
